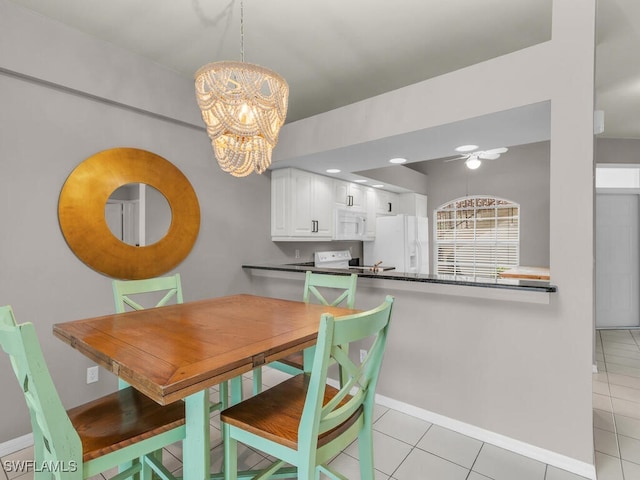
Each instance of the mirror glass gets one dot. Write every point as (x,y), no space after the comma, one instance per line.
(138,214)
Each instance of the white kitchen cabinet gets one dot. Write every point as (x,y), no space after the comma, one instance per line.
(413,204)
(386,203)
(280,203)
(372,207)
(301,206)
(351,195)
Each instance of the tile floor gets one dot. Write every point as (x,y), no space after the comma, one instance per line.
(409,448)
(616,405)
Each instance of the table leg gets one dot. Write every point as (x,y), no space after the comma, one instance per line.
(236,389)
(195,447)
(307,358)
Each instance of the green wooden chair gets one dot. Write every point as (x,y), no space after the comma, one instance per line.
(155,292)
(303,421)
(123,428)
(135,293)
(317,288)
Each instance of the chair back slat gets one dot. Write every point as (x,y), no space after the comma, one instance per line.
(147,291)
(54,435)
(358,380)
(319,286)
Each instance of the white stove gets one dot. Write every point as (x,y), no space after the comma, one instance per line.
(334,259)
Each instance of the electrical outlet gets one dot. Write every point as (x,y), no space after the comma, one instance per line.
(297,253)
(363,354)
(92,374)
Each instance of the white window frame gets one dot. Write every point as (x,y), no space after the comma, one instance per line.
(472,249)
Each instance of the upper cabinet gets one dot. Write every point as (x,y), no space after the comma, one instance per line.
(372,207)
(309,207)
(301,206)
(413,204)
(347,194)
(387,203)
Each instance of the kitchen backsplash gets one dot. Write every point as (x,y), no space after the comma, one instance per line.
(306,250)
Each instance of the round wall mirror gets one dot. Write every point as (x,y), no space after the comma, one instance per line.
(81,213)
(138,214)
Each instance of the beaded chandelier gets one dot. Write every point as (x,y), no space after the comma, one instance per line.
(243,105)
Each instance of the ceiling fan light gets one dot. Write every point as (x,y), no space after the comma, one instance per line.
(472,163)
(466,148)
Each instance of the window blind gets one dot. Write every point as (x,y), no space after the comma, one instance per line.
(477,236)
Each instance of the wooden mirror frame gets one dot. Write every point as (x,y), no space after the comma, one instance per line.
(81,213)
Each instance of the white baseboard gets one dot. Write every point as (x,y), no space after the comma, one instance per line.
(16,444)
(542,455)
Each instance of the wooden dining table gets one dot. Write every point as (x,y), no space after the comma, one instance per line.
(177,352)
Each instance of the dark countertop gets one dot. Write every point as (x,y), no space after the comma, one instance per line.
(502,283)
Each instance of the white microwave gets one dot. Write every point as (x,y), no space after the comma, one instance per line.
(350,224)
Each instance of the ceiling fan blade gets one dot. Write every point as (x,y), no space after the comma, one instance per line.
(496,150)
(457,158)
(489,156)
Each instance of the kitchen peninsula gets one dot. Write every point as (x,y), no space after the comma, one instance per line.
(501,288)
(448,333)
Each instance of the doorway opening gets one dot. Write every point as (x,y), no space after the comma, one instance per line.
(617,246)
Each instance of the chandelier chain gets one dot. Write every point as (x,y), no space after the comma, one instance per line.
(243,106)
(242,30)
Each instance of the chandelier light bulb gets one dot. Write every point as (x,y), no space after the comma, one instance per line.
(245,115)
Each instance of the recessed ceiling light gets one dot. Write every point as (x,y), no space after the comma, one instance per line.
(466,148)
(398,160)
(379,185)
(333,170)
(360,180)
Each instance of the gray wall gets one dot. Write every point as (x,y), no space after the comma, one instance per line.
(523,371)
(611,150)
(530,374)
(520,175)
(45,133)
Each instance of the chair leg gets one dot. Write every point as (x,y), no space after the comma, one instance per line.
(158,456)
(365,453)
(38,455)
(146,473)
(307,471)
(230,454)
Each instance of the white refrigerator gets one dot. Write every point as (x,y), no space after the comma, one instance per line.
(402,241)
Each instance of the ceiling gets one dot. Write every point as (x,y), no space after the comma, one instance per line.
(337,52)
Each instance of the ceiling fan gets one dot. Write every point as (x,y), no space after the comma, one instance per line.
(474,159)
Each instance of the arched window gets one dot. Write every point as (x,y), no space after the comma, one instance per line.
(477,236)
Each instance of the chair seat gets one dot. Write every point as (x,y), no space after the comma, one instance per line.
(275,413)
(117,420)
(295,360)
